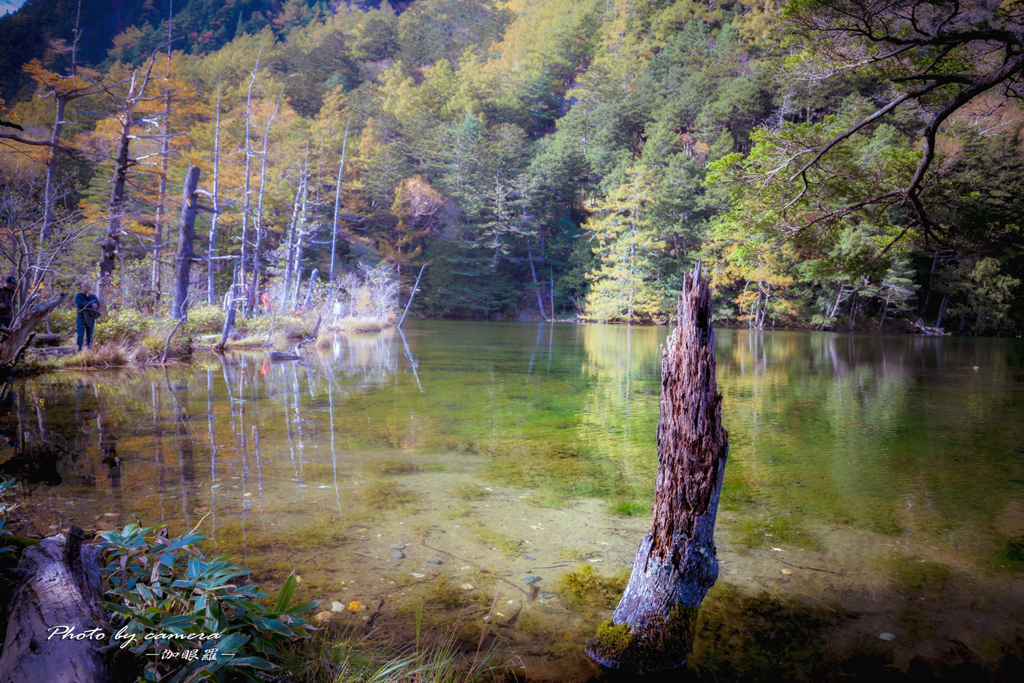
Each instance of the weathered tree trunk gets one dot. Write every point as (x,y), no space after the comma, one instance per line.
(676,564)
(21,331)
(250,297)
(289,250)
(59,596)
(165,156)
(111,240)
(211,296)
(537,287)
(337,203)
(186,238)
(309,290)
(248,168)
(51,169)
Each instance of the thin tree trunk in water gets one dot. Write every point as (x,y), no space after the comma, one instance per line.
(165,152)
(229,320)
(942,308)
(537,286)
(885,309)
(552,293)
(415,288)
(337,202)
(290,242)
(186,238)
(309,290)
(248,167)
(211,297)
(250,297)
(300,232)
(835,307)
(676,562)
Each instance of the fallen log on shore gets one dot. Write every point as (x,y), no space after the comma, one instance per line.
(20,335)
(55,624)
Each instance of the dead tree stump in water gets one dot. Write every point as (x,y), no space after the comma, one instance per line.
(676,563)
(59,595)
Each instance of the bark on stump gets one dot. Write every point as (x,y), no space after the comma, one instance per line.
(61,588)
(676,563)
(186,238)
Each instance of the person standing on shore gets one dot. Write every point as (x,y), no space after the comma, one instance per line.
(88,307)
(7,302)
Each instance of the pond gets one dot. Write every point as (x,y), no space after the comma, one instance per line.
(872,517)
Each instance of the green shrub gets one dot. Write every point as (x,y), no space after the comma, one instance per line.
(62,320)
(203,319)
(257,323)
(161,585)
(125,325)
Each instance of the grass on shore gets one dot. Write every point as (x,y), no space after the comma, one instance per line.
(347,656)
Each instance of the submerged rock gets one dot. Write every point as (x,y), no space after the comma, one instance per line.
(530,580)
(398,556)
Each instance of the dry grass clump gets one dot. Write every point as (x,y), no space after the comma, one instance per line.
(384,495)
(391,466)
(352,656)
(109,355)
(361,325)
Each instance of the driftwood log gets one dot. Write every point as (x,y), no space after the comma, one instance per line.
(46,340)
(20,334)
(55,624)
(676,563)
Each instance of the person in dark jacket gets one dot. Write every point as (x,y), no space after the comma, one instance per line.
(7,302)
(88,308)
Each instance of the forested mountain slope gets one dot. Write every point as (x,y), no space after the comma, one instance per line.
(837,171)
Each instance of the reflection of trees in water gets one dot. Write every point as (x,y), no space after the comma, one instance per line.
(369,357)
(858,420)
(138,440)
(619,410)
(861,427)
(60,434)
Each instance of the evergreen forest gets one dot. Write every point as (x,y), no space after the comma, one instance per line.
(835,164)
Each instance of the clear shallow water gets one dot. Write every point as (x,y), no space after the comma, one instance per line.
(885,474)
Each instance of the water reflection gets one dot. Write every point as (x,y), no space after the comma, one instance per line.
(901,436)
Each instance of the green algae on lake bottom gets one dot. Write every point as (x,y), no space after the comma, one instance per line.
(881,473)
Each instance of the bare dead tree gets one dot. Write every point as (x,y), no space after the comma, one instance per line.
(211,297)
(337,202)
